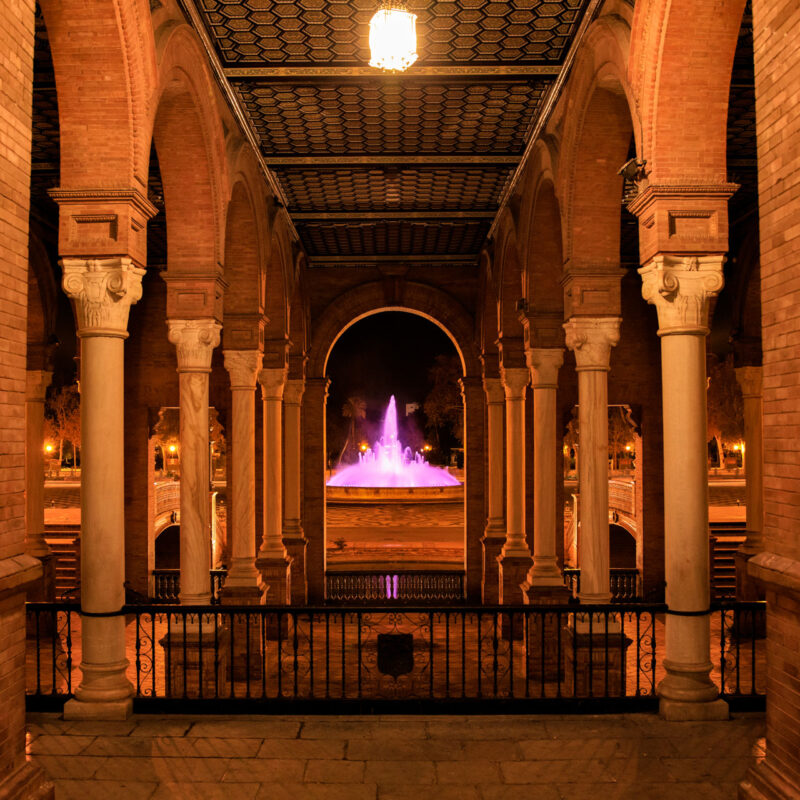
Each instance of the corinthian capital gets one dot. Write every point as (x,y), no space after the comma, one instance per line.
(591,339)
(195,340)
(494,391)
(102,291)
(293,392)
(243,367)
(544,363)
(515,380)
(272,381)
(680,287)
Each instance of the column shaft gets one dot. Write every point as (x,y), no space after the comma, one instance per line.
(516,544)
(293,536)
(494,436)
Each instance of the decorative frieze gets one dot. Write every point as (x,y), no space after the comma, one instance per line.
(102,291)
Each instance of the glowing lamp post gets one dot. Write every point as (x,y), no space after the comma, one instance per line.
(393,37)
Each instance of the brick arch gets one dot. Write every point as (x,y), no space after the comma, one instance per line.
(278,278)
(190,144)
(371,298)
(105,70)
(42,304)
(681,58)
(486,327)
(598,125)
(508,276)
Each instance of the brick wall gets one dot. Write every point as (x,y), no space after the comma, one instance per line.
(776,25)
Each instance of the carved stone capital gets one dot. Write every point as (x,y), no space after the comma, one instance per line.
(544,363)
(680,287)
(293,391)
(749,379)
(495,394)
(195,340)
(243,366)
(102,291)
(36,383)
(272,383)
(515,380)
(591,339)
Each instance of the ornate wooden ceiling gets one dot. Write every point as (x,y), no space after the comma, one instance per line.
(374,165)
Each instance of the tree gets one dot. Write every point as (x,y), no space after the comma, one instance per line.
(725,407)
(355,409)
(443,406)
(619,434)
(63,419)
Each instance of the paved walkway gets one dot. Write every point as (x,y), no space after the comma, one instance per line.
(617,757)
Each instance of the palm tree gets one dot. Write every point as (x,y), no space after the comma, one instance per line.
(355,409)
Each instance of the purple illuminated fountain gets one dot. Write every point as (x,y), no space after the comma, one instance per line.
(389,464)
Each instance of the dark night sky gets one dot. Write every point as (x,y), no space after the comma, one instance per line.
(384,354)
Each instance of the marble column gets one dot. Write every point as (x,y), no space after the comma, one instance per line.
(195,340)
(35,391)
(243,579)
(591,339)
(681,287)
(515,557)
(544,364)
(102,291)
(293,537)
(495,532)
(272,558)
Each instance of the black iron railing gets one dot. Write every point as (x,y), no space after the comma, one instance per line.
(623,582)
(395,587)
(167,585)
(315,659)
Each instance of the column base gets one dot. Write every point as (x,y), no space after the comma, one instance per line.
(275,573)
(27,783)
(534,595)
(513,573)
(681,711)
(763,782)
(195,666)
(106,710)
(594,665)
(244,646)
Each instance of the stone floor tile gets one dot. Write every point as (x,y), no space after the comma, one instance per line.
(477,770)
(103,790)
(635,768)
(333,771)
(76,767)
(96,728)
(643,791)
(475,728)
(158,726)
(555,771)
(302,748)
(493,750)
(317,791)
(265,770)
(246,728)
(173,770)
(399,772)
(173,747)
(570,749)
(404,750)
(708,769)
(403,792)
(592,727)
(206,791)
(542,792)
(49,744)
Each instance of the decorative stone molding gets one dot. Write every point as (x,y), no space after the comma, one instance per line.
(591,339)
(273,382)
(243,366)
(515,380)
(102,291)
(749,379)
(293,391)
(680,287)
(197,296)
(36,384)
(495,395)
(544,363)
(195,340)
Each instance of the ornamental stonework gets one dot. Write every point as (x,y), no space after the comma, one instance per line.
(195,340)
(243,366)
(591,339)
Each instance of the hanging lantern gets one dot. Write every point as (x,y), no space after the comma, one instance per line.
(393,36)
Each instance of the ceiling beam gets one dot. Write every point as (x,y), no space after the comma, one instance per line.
(365,261)
(414,160)
(358,216)
(514,72)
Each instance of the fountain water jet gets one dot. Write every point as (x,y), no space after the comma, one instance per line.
(389,464)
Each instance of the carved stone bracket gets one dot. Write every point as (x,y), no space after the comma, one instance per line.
(680,287)
(243,366)
(102,291)
(544,363)
(195,340)
(272,383)
(591,339)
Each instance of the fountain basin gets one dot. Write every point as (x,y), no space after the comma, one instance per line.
(394,494)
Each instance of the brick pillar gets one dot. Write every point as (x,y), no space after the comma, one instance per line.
(494,534)
(294,539)
(18,778)
(314,463)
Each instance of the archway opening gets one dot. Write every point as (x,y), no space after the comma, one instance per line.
(391,529)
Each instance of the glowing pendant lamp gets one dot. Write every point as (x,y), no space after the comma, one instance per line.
(393,37)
